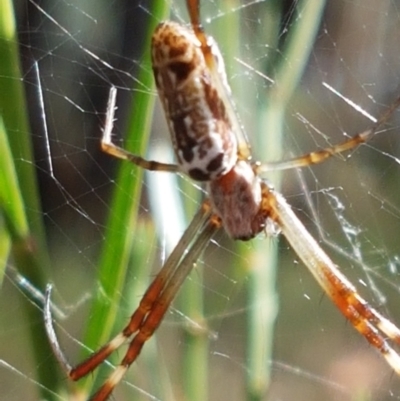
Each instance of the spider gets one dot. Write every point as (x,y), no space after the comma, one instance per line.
(210,147)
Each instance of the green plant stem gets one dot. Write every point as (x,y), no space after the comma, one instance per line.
(120,228)
(296,53)
(20,205)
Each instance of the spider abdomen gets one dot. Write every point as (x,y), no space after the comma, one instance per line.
(204,142)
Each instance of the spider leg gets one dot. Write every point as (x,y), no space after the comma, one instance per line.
(51,334)
(109,147)
(152,307)
(321,155)
(366,320)
(193,7)
(156,301)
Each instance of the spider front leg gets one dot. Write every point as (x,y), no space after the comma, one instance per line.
(365,319)
(152,308)
(109,147)
(159,306)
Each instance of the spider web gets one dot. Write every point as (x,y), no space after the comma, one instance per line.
(349,204)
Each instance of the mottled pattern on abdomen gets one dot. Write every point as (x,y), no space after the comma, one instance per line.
(204,144)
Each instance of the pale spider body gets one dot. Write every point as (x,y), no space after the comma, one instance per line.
(202,133)
(201,130)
